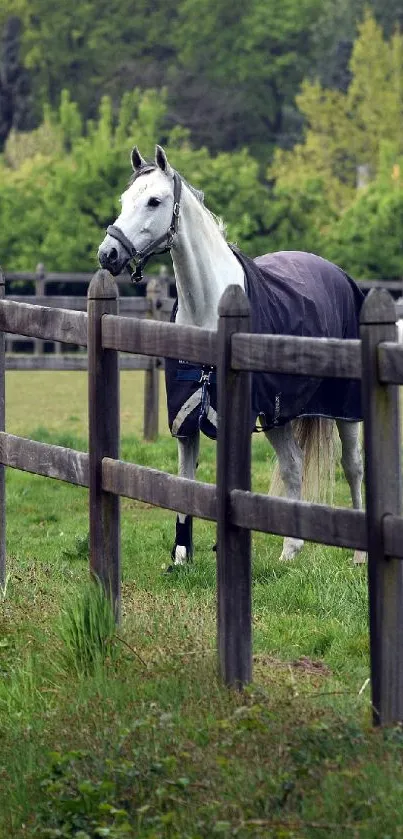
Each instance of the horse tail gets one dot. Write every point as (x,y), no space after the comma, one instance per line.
(317,438)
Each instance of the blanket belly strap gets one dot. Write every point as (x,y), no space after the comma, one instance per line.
(192,399)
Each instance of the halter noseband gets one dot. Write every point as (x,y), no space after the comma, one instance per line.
(141,257)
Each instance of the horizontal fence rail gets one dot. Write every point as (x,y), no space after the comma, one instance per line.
(64,325)
(336,526)
(73,362)
(160,339)
(392,527)
(159,488)
(44,459)
(318,357)
(42,276)
(390,363)
(134,305)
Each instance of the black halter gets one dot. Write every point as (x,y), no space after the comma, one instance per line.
(141,257)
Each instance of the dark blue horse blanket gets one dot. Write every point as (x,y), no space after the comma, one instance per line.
(291,293)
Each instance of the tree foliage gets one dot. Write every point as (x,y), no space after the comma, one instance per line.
(367,239)
(231,69)
(346,130)
(257,51)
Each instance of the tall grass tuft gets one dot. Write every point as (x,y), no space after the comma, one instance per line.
(87,629)
(3,588)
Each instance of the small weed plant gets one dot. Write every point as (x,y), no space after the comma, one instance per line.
(77,806)
(87,631)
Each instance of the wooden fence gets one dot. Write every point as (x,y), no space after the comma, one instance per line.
(376,359)
(156,305)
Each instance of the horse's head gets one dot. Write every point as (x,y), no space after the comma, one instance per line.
(149,216)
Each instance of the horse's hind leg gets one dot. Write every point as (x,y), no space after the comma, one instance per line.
(351,461)
(290,461)
(188,453)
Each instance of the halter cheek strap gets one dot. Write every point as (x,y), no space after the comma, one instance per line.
(141,257)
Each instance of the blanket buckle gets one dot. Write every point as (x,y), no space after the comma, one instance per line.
(205,377)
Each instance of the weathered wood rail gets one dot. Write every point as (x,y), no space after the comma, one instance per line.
(376,359)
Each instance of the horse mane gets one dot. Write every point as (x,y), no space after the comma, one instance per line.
(149,166)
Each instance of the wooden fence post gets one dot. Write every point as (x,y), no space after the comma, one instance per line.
(2,428)
(152,375)
(39,345)
(234,630)
(103,410)
(383,497)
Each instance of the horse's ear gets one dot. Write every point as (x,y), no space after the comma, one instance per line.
(136,159)
(162,160)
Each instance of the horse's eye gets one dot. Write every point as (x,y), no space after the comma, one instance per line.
(154,202)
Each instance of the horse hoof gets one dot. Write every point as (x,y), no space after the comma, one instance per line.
(359,558)
(176,567)
(170,569)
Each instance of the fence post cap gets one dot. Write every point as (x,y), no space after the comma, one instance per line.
(102,286)
(378,307)
(233,303)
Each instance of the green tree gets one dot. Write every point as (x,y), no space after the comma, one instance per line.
(231,69)
(336,30)
(367,239)
(346,130)
(258,52)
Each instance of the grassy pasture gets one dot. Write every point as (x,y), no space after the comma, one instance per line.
(147,743)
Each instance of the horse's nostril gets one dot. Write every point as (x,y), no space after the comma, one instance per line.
(103,259)
(113,255)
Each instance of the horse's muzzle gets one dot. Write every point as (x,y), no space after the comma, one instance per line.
(112,260)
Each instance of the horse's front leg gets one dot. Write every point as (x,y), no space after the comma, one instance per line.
(290,461)
(188,453)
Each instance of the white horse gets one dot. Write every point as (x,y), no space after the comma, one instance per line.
(160,211)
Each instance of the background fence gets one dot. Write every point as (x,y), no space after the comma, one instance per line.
(376,359)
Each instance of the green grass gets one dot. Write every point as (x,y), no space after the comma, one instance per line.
(144,741)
